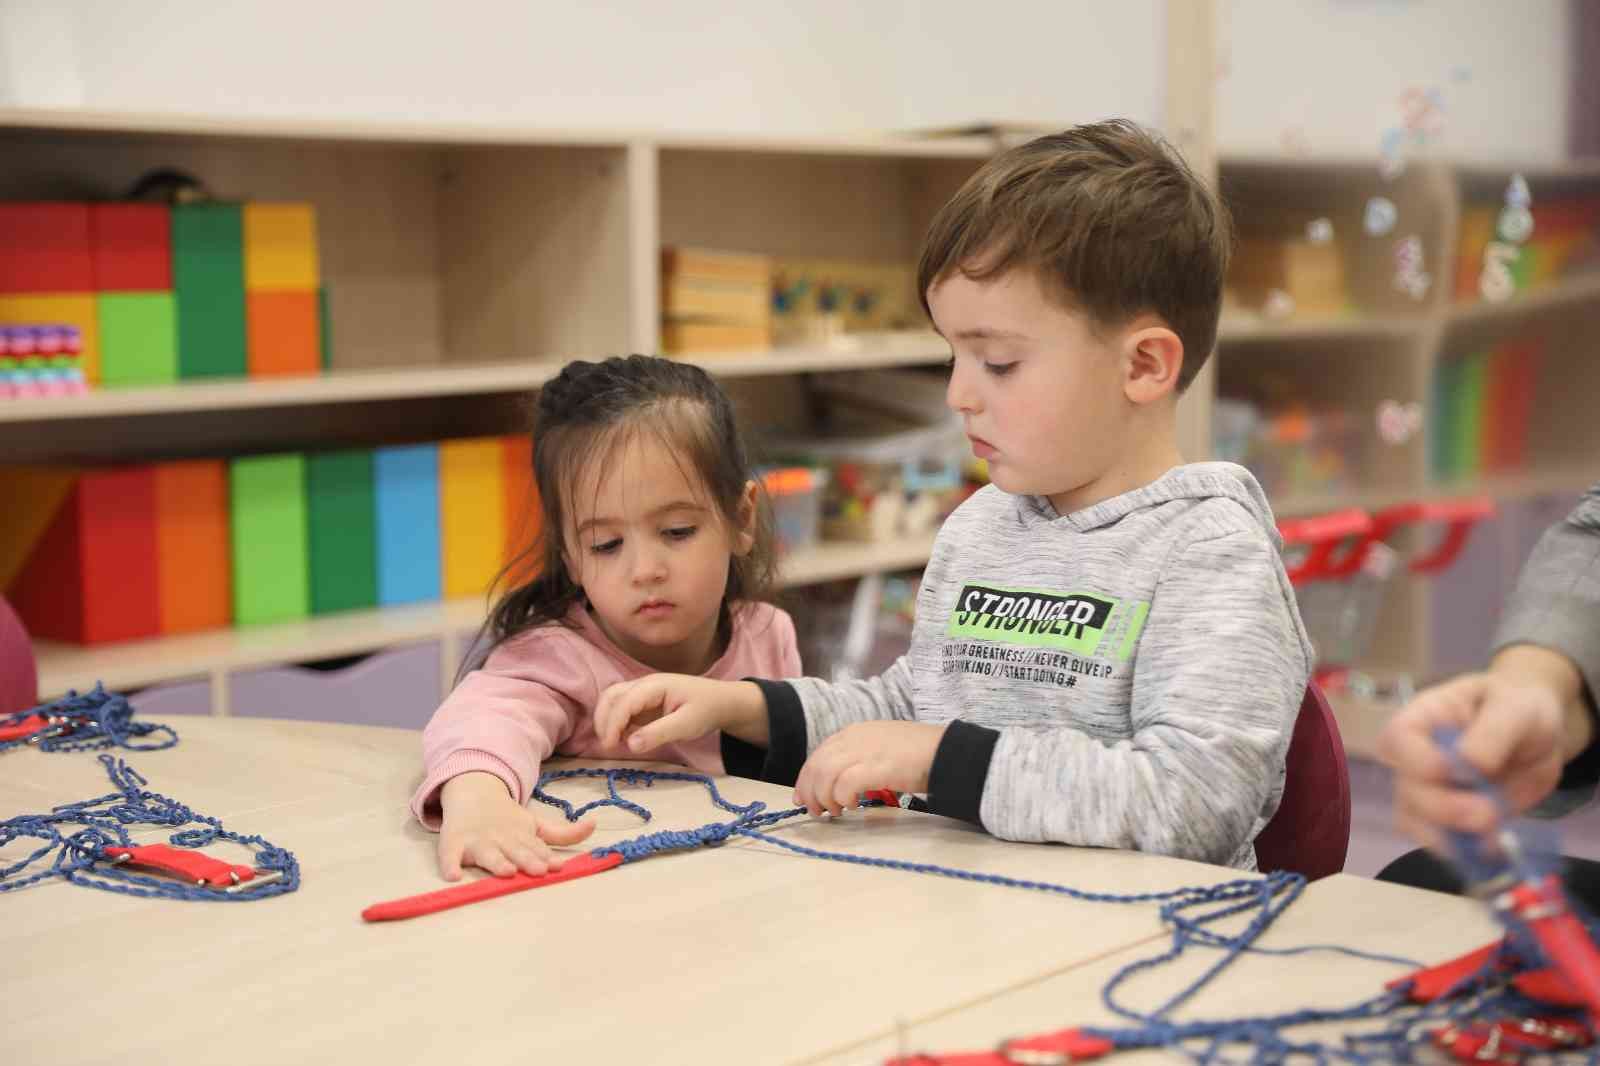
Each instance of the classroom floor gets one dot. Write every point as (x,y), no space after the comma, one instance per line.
(1374,841)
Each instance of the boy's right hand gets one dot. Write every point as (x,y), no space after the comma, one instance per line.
(663,708)
(484,827)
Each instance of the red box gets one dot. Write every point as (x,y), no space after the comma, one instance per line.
(132,247)
(92,577)
(45,247)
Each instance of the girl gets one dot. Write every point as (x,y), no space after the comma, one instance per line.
(655,556)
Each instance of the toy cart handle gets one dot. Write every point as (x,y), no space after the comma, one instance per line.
(1459,516)
(1324,534)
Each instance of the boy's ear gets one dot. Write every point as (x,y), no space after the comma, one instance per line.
(1154,361)
(744,537)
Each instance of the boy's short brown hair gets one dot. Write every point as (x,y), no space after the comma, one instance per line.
(1110,217)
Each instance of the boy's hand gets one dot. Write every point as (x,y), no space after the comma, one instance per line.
(868,755)
(663,708)
(484,827)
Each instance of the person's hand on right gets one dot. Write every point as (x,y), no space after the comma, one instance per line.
(663,708)
(1511,731)
(484,827)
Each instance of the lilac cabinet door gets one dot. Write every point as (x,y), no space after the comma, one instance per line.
(397,687)
(179,697)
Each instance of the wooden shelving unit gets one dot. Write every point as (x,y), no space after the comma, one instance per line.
(216,654)
(464,266)
(1392,347)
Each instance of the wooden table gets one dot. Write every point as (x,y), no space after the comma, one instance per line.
(745,952)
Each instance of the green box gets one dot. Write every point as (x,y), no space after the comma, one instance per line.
(208,275)
(138,338)
(271,568)
(343,531)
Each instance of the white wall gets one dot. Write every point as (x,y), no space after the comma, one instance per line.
(768,66)
(1335,69)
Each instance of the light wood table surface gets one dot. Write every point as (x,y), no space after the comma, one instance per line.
(740,953)
(1352,912)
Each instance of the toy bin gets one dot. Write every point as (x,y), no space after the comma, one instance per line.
(796,496)
(892,451)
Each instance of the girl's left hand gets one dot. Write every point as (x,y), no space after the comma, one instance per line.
(865,756)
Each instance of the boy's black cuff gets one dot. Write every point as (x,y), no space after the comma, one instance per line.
(779,763)
(960,769)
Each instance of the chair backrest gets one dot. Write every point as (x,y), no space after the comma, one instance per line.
(19,682)
(1310,833)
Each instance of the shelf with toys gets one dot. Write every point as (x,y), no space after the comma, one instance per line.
(1422,336)
(214,656)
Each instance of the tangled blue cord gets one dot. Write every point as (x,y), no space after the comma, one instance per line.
(76,835)
(1187,911)
(96,719)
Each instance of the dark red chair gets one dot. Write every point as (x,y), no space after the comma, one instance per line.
(1310,833)
(19,681)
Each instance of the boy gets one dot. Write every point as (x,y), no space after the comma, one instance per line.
(1107,650)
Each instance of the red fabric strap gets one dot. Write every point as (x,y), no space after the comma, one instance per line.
(1429,984)
(487,888)
(27,727)
(180,862)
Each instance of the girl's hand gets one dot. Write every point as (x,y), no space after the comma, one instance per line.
(484,827)
(865,756)
(664,708)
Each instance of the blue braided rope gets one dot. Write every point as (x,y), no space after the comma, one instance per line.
(78,854)
(1187,911)
(94,720)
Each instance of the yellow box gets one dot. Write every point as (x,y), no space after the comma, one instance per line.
(68,309)
(280,247)
(472,522)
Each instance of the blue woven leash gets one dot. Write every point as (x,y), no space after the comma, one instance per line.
(1188,911)
(94,720)
(76,836)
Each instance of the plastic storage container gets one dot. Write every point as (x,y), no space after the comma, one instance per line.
(894,454)
(796,495)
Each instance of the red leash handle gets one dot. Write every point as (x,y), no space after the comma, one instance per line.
(487,888)
(179,862)
(23,728)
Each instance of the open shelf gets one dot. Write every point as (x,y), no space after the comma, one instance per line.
(136,664)
(855,352)
(1555,296)
(1239,326)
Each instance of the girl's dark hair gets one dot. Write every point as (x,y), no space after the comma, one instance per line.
(583,416)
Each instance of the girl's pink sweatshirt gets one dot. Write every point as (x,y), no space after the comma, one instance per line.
(536,694)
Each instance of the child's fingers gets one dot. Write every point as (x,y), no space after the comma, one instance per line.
(565,832)
(450,856)
(686,723)
(531,857)
(853,782)
(486,855)
(610,712)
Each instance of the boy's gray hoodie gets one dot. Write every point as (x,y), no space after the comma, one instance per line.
(1124,676)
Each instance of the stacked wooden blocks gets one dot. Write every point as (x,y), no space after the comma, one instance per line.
(715,301)
(117,554)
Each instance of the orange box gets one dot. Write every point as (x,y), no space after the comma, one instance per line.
(193,564)
(523,516)
(284,334)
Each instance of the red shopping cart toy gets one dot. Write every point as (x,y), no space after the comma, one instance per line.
(1342,563)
